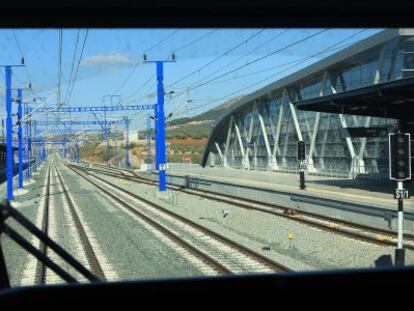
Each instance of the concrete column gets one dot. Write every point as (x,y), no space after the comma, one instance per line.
(219,152)
(295,120)
(225,164)
(271,161)
(278,126)
(245,163)
(377,77)
(284,161)
(310,165)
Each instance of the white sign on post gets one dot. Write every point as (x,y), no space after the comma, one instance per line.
(162,166)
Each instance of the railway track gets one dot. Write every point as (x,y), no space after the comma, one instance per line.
(42,274)
(88,249)
(220,253)
(343,227)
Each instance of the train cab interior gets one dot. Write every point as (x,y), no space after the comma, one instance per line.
(379,286)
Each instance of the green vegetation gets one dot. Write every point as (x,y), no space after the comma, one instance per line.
(212,114)
(177,158)
(195,128)
(130,146)
(95,152)
(184,128)
(87,149)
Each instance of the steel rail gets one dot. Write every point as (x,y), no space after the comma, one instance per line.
(194,251)
(290,213)
(87,246)
(40,277)
(275,266)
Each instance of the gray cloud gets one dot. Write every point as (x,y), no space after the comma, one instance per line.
(109,59)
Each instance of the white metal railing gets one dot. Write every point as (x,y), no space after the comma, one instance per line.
(356,171)
(179,166)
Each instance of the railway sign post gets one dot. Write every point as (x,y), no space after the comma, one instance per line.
(301,158)
(400,170)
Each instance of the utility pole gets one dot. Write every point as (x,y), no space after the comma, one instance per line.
(9,135)
(160,143)
(35,147)
(20,137)
(116,149)
(77,152)
(27,149)
(9,130)
(148,144)
(126,143)
(106,137)
(111,96)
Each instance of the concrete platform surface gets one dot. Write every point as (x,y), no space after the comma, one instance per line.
(360,191)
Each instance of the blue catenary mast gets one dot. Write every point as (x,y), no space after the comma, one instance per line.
(20,137)
(9,138)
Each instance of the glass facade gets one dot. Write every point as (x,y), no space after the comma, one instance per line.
(264,134)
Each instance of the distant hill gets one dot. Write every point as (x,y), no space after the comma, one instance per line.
(186,139)
(209,115)
(200,125)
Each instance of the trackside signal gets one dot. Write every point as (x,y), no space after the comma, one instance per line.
(301,150)
(301,158)
(400,156)
(400,170)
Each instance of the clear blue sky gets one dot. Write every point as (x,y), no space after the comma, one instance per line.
(109,56)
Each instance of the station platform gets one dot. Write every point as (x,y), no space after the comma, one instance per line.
(371,192)
(369,202)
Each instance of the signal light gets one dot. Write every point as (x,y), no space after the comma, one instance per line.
(145,57)
(301,150)
(400,156)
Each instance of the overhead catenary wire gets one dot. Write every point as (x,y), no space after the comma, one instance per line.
(186,45)
(59,74)
(77,67)
(246,54)
(72,67)
(195,41)
(19,47)
(217,58)
(296,63)
(140,88)
(124,82)
(259,59)
(192,87)
(270,68)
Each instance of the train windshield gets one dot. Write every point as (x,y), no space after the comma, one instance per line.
(168,153)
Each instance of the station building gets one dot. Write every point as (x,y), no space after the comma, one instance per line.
(262,129)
